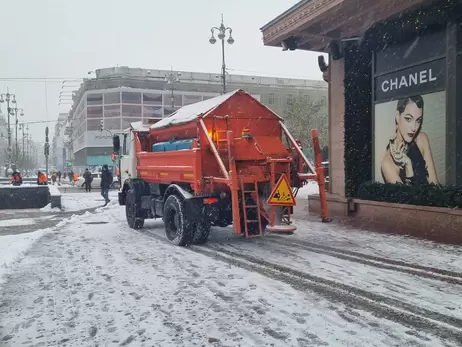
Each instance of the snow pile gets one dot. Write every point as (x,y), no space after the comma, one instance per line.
(310,188)
(54,190)
(13,247)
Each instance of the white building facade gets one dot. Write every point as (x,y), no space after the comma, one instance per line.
(120,96)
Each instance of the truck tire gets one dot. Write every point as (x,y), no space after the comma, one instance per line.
(201,233)
(177,228)
(132,210)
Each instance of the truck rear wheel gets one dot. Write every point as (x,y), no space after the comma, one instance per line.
(177,228)
(132,210)
(201,233)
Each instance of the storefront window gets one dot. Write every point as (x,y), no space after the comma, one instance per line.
(152,111)
(410,113)
(112,98)
(94,112)
(94,99)
(131,111)
(152,99)
(131,98)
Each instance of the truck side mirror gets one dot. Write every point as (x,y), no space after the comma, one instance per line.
(116,143)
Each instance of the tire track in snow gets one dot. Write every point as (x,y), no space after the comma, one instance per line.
(438,324)
(382,306)
(376,261)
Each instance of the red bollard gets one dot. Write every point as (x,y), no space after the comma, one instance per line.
(320,177)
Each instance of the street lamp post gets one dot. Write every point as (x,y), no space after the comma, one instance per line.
(16,110)
(24,128)
(171,78)
(221,36)
(8,97)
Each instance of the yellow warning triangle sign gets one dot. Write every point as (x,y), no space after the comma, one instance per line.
(282,193)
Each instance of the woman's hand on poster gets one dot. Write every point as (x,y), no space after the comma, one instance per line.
(398,152)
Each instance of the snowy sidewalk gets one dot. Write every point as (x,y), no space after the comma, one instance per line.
(104,284)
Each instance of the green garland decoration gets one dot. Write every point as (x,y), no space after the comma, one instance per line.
(422,195)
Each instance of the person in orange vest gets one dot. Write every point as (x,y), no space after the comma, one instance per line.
(41,179)
(76,178)
(16,178)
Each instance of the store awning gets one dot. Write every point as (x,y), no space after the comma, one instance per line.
(312,24)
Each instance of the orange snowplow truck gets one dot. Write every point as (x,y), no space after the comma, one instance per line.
(226,160)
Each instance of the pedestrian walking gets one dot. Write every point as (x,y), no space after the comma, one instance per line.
(106,182)
(88,179)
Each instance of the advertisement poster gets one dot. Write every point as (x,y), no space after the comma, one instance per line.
(410,140)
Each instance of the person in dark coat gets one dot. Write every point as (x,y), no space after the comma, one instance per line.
(88,179)
(106,182)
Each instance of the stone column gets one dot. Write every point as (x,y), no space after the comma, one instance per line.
(336,128)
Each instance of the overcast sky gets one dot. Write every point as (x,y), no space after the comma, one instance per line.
(62,39)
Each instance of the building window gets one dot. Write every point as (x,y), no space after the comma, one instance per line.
(168,111)
(93,124)
(289,99)
(111,111)
(112,98)
(126,122)
(271,99)
(152,112)
(94,112)
(152,99)
(177,100)
(131,111)
(191,99)
(112,123)
(131,98)
(94,99)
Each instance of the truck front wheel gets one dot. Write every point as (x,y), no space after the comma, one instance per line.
(132,210)
(177,227)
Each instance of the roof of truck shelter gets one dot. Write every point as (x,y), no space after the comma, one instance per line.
(191,112)
(315,23)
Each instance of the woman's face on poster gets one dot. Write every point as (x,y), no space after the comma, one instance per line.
(409,122)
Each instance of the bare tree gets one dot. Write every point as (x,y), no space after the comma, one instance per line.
(302,115)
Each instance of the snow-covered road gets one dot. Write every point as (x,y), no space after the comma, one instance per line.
(92,281)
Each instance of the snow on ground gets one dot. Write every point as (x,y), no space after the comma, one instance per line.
(72,202)
(16,222)
(90,284)
(309,189)
(93,281)
(397,247)
(12,248)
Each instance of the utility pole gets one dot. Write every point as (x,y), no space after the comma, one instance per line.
(171,78)
(47,151)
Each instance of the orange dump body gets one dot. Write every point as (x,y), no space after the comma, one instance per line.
(246,137)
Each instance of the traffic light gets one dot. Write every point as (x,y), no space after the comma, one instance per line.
(101,126)
(116,143)
(114,156)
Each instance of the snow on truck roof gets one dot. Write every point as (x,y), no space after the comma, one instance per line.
(190,112)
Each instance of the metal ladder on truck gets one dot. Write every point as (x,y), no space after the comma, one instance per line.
(255,207)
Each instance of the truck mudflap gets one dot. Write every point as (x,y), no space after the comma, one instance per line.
(122,196)
(194,210)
